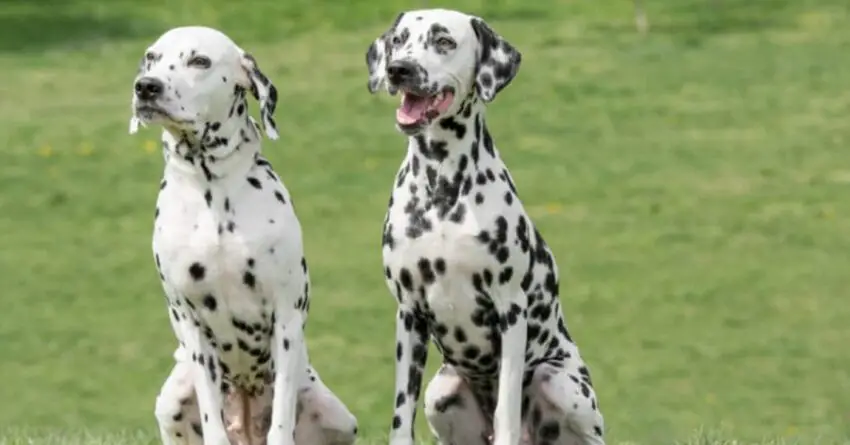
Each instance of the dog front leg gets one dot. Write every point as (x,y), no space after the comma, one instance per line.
(290,360)
(207,386)
(507,420)
(411,356)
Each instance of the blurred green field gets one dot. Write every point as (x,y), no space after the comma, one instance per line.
(693,184)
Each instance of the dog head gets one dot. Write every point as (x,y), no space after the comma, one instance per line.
(195,77)
(435,56)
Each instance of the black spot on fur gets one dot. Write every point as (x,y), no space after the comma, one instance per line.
(210,302)
(255,182)
(426,271)
(406,279)
(450,124)
(249,280)
(440,266)
(197,271)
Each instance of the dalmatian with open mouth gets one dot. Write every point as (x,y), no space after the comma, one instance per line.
(462,257)
(228,248)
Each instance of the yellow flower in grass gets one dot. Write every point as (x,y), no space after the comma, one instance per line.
(45,151)
(554,208)
(150,146)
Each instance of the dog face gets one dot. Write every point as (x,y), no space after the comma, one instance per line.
(434,56)
(194,76)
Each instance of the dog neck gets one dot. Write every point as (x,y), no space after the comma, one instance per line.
(219,150)
(453,146)
(444,162)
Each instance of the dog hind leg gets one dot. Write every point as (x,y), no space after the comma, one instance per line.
(176,409)
(453,414)
(564,409)
(322,418)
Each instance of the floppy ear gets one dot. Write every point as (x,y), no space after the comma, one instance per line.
(377,57)
(264,91)
(497,64)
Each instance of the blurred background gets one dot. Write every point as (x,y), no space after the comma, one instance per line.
(687,164)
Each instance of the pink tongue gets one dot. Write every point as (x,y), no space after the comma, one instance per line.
(412,109)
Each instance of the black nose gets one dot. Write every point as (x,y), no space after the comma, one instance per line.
(400,71)
(148,88)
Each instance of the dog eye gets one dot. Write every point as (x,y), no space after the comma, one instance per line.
(396,40)
(446,42)
(150,56)
(200,62)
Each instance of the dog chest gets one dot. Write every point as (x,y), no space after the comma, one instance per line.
(464,319)
(479,252)
(224,251)
(234,240)
(201,262)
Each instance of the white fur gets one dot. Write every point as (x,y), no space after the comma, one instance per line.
(228,247)
(463,259)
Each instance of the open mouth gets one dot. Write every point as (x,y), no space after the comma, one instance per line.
(418,108)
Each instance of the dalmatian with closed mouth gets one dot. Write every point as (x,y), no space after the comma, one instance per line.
(228,248)
(463,259)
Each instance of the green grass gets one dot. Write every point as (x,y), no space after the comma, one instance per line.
(693,184)
(23,437)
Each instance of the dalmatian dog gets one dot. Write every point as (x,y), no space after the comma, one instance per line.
(228,248)
(463,259)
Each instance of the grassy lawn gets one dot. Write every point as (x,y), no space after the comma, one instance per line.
(693,184)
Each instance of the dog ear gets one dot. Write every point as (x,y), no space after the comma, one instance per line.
(497,64)
(264,91)
(377,57)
